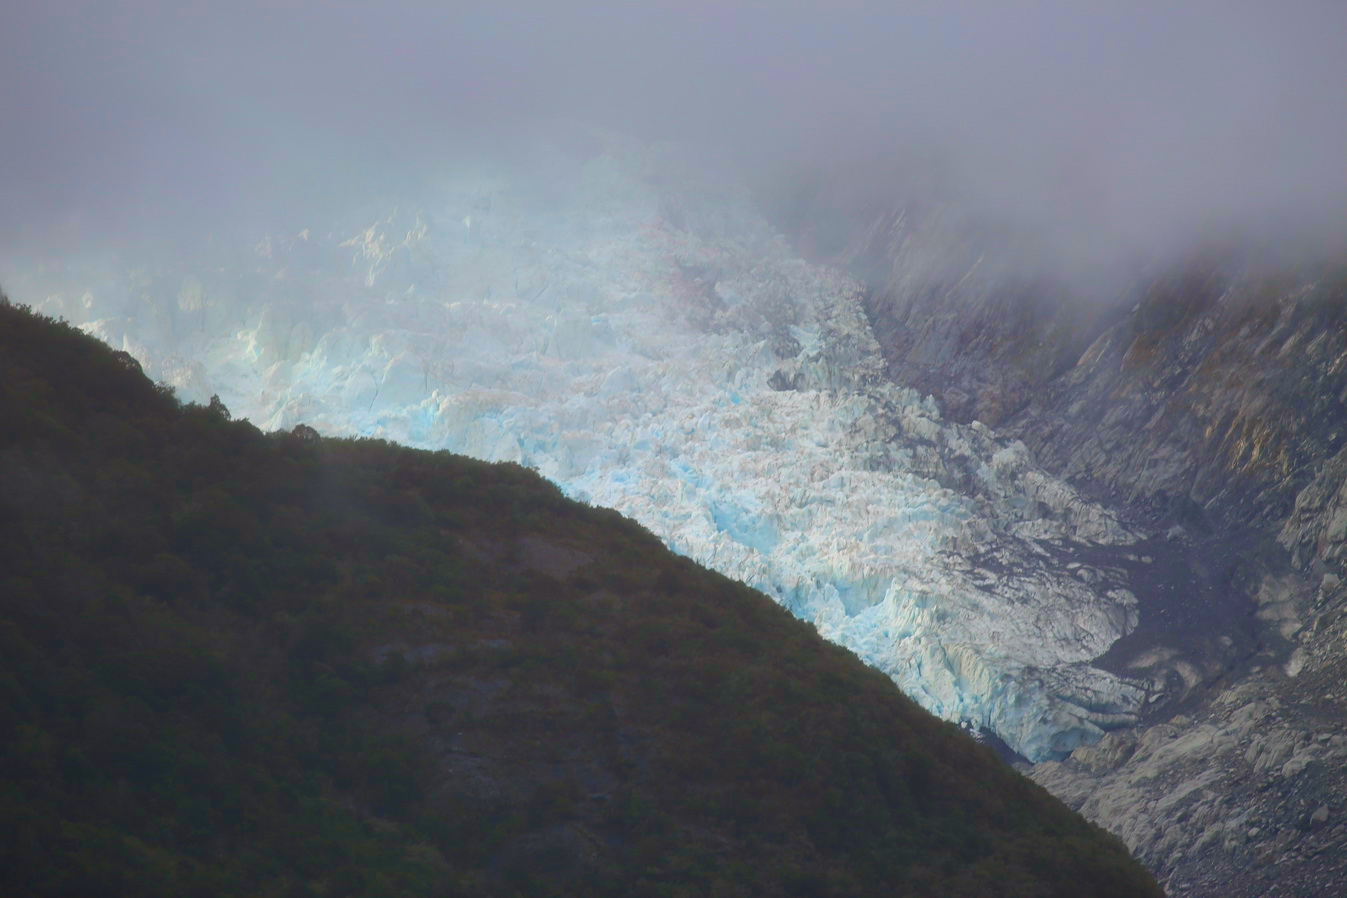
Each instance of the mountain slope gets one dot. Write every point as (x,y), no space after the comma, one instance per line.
(246,664)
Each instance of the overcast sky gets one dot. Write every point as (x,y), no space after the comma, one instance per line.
(1128,118)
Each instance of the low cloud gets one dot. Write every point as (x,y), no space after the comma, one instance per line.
(1106,125)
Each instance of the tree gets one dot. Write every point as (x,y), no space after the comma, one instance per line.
(305,433)
(218,409)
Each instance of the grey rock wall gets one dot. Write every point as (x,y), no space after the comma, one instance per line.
(1207,406)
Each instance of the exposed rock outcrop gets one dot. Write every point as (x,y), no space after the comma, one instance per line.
(1244,796)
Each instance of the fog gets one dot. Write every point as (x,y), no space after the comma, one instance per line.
(1107,125)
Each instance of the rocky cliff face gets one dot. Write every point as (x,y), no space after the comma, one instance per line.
(1206,408)
(1224,396)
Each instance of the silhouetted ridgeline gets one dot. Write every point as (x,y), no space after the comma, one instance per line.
(237,663)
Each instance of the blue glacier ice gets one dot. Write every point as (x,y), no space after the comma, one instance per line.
(621,331)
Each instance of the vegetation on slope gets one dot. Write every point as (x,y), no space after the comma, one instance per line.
(248,664)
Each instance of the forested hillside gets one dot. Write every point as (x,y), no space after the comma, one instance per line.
(237,663)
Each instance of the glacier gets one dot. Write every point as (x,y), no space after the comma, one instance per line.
(623,320)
